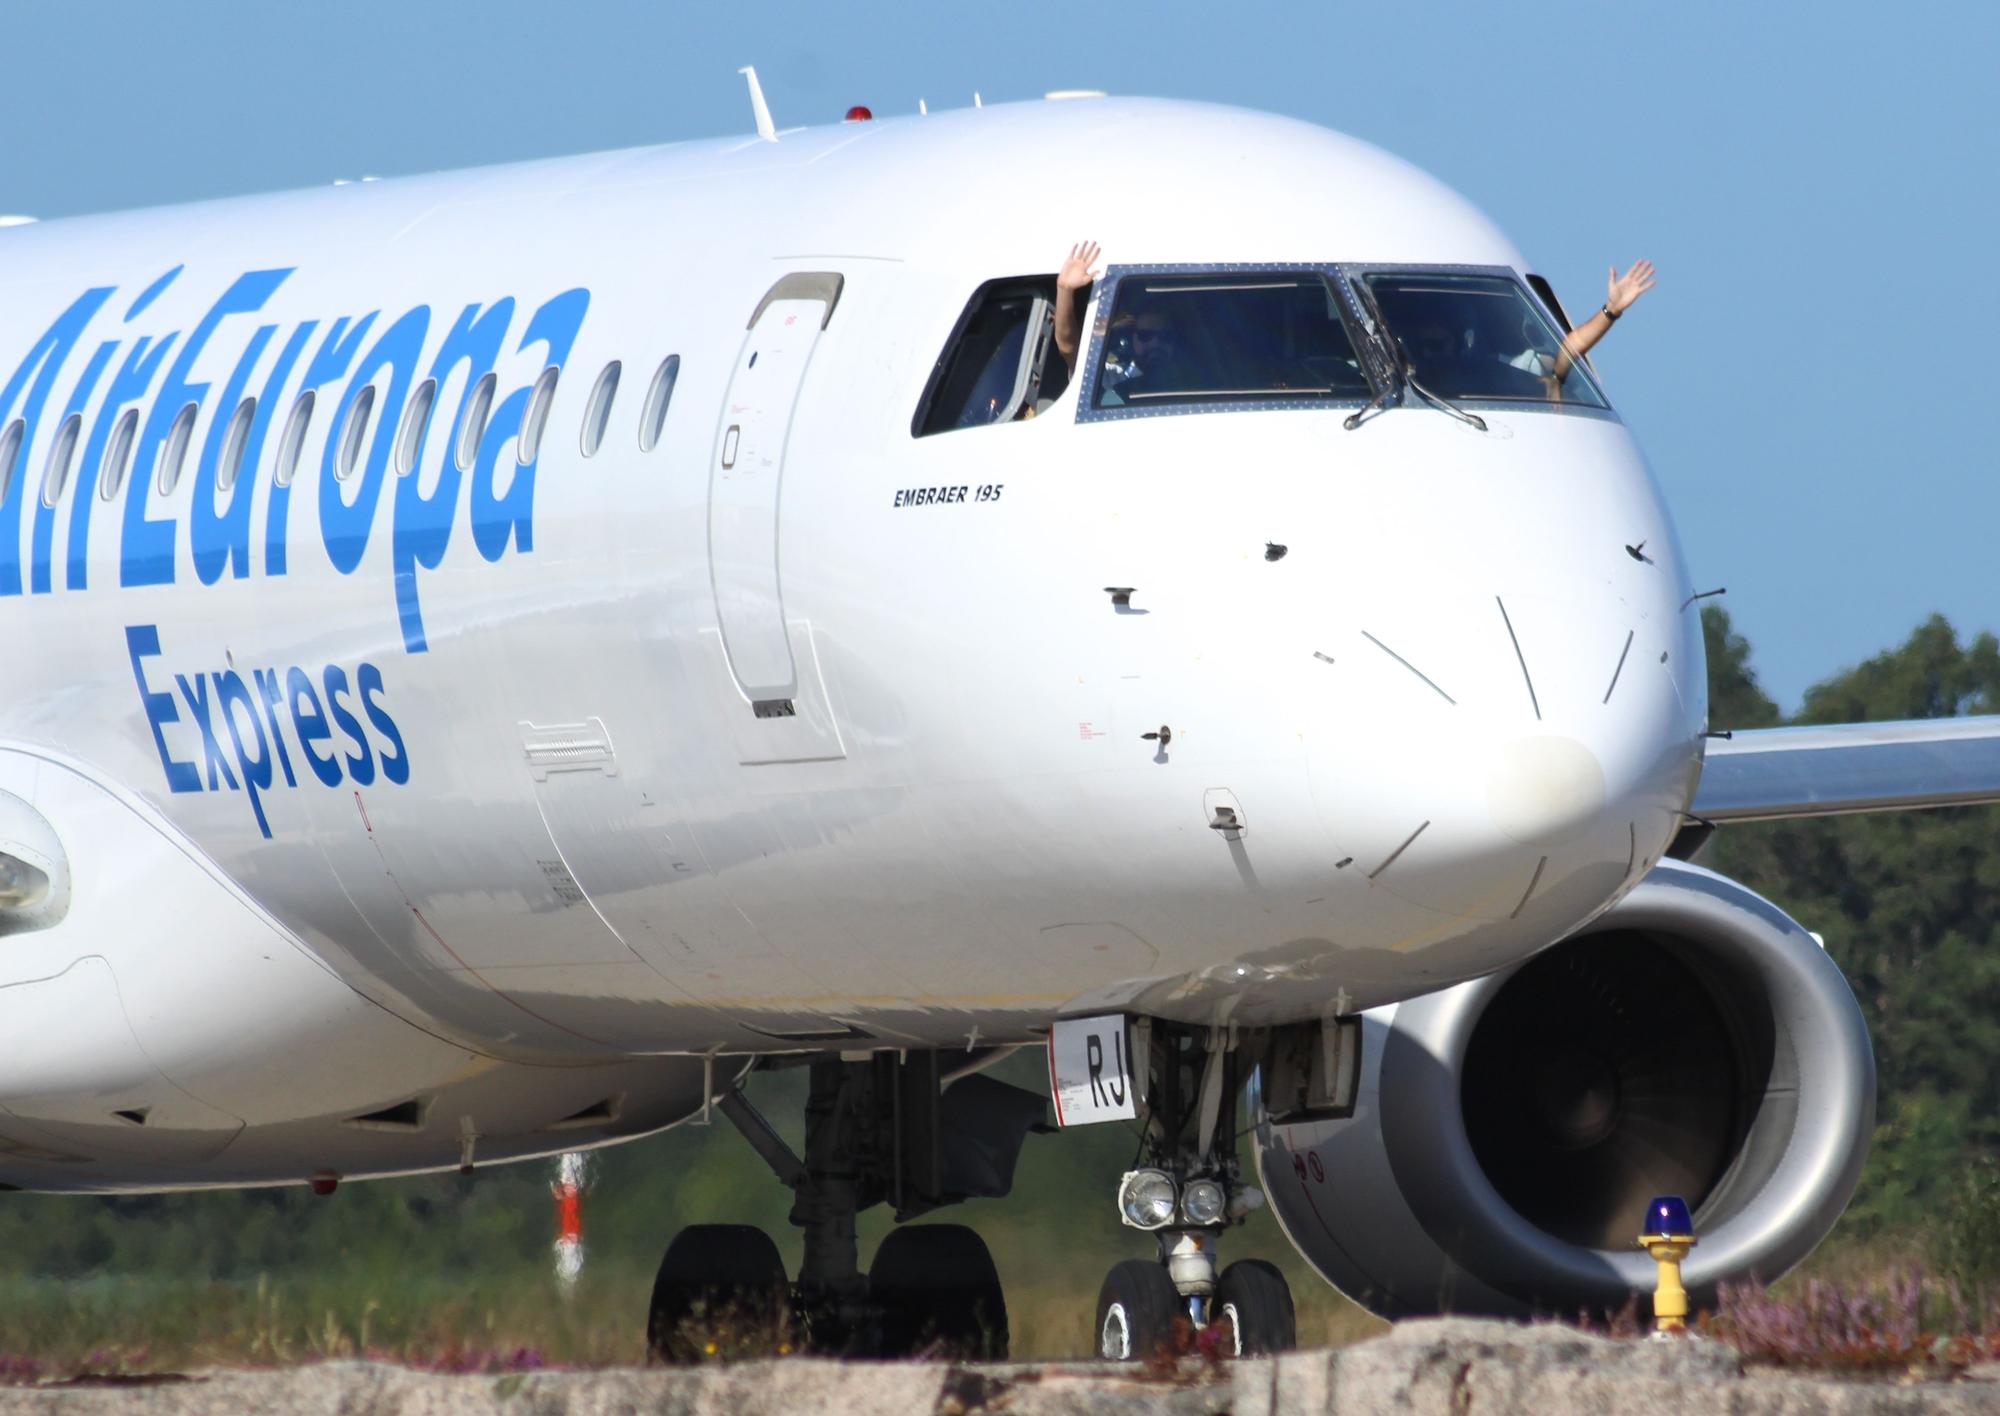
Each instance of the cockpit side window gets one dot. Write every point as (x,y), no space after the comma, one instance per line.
(1477,337)
(1547,293)
(1000,364)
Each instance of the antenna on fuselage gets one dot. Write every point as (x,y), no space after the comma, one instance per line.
(923,109)
(976,102)
(765,128)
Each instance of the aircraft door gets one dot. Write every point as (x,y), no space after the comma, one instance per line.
(746,475)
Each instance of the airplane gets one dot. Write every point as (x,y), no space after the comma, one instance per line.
(497,657)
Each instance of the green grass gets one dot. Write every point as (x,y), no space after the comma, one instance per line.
(443,1270)
(156,1323)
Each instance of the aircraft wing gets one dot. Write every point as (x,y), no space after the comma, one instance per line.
(1767,774)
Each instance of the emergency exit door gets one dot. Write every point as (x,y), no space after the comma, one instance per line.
(746,483)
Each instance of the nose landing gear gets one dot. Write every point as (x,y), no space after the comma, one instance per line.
(1187,1191)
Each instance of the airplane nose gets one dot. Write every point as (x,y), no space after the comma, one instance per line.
(1545,791)
(1509,756)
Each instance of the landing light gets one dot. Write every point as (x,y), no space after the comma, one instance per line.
(1146,1199)
(1203,1202)
(34,873)
(22,886)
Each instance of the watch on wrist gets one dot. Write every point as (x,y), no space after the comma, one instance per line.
(1609,313)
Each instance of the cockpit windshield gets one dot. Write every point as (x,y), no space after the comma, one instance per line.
(1263,338)
(1478,338)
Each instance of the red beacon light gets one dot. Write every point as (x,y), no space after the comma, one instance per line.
(859,114)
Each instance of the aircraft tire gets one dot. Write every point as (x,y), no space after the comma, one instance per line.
(1136,1309)
(1254,1299)
(939,1294)
(720,1284)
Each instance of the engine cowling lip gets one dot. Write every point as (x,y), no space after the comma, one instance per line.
(1432,1158)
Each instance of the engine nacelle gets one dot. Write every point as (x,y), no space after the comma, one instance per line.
(1508,1132)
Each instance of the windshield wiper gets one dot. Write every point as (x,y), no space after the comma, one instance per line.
(1402,372)
(1389,370)
(1353,420)
(1442,403)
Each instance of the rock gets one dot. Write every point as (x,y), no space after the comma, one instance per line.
(1446,1367)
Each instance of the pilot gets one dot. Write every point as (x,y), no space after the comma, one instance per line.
(1147,355)
(1072,280)
(1153,362)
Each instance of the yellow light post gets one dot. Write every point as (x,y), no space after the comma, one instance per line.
(1668,1237)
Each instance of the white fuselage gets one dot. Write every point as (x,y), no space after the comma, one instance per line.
(522,831)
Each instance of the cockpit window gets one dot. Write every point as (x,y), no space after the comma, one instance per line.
(1000,365)
(1478,338)
(1263,338)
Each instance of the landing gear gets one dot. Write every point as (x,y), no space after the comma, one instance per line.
(1136,1309)
(884,1129)
(1187,1190)
(939,1293)
(719,1285)
(1253,1301)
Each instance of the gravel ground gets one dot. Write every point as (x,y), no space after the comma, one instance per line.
(1446,1366)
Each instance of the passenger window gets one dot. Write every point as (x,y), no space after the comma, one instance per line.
(176,451)
(56,476)
(598,415)
(1479,338)
(653,421)
(233,443)
(537,416)
(119,456)
(1256,338)
(355,433)
(472,429)
(416,418)
(10,453)
(1000,364)
(294,440)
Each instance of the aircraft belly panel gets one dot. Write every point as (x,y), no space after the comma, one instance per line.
(640,869)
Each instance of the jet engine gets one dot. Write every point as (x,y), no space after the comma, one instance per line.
(1507,1133)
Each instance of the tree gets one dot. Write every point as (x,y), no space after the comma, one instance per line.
(1735,699)
(1909,904)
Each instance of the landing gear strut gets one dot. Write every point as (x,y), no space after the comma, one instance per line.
(1186,1190)
(883,1129)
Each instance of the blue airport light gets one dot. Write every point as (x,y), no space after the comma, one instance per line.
(1668,1235)
(1668,1214)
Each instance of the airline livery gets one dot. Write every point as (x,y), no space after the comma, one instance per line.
(496,657)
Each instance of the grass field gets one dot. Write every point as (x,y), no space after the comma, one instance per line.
(456,1273)
(443,1270)
(152,1324)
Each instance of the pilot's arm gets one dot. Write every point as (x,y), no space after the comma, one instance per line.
(1621,291)
(1075,275)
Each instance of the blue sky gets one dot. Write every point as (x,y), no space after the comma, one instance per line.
(1816,182)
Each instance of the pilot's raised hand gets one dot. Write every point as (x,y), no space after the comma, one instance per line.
(1076,274)
(1622,290)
